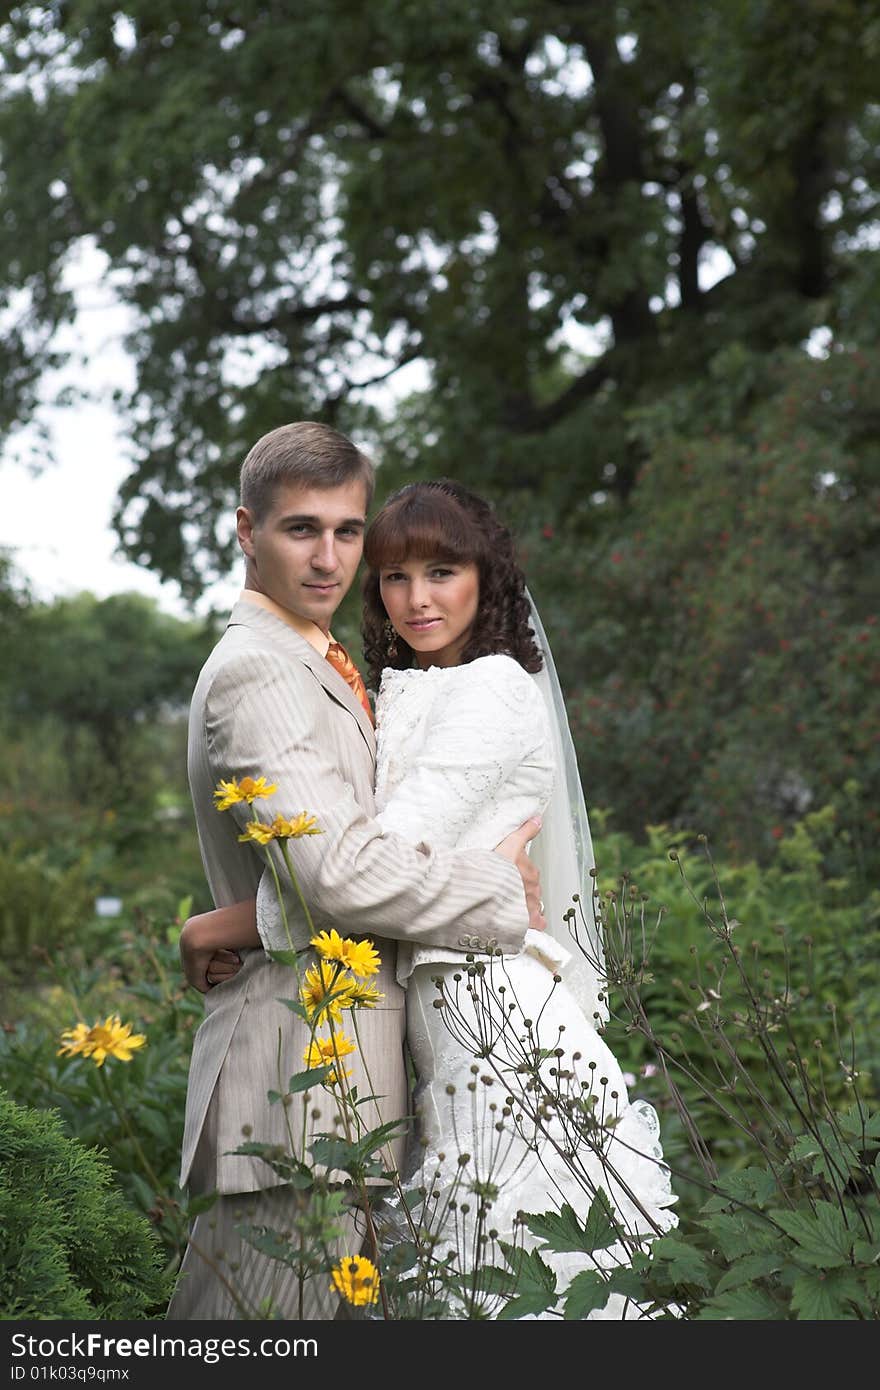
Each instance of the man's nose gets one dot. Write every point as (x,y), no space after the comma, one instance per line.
(324,555)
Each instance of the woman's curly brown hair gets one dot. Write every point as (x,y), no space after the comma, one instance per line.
(443,520)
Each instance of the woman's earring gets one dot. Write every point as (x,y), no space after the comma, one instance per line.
(390,640)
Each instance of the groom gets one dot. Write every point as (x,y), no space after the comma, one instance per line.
(278,698)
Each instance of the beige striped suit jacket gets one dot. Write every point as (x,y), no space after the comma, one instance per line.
(267,704)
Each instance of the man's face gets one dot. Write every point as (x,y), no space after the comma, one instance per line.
(305,552)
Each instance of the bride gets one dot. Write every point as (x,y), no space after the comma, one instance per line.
(521,1107)
(472,737)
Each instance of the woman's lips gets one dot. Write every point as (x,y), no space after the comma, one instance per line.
(423,624)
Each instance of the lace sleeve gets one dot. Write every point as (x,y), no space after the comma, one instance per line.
(482,726)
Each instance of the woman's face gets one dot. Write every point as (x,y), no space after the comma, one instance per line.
(432,604)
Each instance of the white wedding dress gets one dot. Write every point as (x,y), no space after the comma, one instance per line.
(465,755)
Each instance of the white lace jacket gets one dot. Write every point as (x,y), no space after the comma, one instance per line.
(464,757)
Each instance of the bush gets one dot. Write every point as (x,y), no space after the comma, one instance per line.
(134,1109)
(70,1247)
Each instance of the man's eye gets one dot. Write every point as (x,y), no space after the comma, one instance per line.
(299,528)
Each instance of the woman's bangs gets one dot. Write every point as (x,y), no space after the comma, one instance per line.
(421,529)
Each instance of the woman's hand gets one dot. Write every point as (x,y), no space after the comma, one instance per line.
(210,941)
(514,848)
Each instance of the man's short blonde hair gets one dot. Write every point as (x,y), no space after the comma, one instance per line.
(305,453)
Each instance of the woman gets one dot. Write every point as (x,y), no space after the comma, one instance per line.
(521,1106)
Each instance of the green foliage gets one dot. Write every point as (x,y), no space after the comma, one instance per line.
(41,904)
(610,260)
(773,1141)
(749,1257)
(71,1246)
(109,671)
(805,963)
(718,636)
(474,188)
(132,1110)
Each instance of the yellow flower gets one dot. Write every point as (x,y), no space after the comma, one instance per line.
(74,1040)
(255,830)
(249,789)
(365,996)
(323,979)
(321,1052)
(360,957)
(357,1279)
(295,827)
(112,1038)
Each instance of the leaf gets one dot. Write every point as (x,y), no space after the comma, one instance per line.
(562,1231)
(867,1252)
(494,1279)
(600,1228)
(754,1186)
(859,1124)
(297,1007)
(284,956)
(335,1153)
(533,1302)
(196,1205)
(533,1280)
(685,1262)
(154,1121)
(298,1174)
(145,1194)
(821,1236)
(271,1243)
(828,1297)
(746,1304)
(831,1159)
(626,1281)
(738,1233)
(586,1292)
(305,1080)
(527,1266)
(748,1268)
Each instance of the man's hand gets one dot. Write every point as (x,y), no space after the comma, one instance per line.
(513,848)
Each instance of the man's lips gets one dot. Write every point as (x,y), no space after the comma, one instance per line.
(322,588)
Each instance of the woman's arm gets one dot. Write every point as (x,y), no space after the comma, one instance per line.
(209,943)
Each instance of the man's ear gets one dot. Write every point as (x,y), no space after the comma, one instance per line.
(244,528)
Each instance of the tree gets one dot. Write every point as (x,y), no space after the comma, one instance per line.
(106,671)
(298,204)
(606,233)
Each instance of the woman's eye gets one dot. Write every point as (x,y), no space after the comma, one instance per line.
(440,573)
(391,577)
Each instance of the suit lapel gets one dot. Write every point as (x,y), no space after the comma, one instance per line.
(278,632)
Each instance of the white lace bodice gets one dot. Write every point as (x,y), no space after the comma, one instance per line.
(464,756)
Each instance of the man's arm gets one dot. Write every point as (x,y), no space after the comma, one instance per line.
(268,717)
(210,942)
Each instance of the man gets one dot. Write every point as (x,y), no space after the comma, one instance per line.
(271,702)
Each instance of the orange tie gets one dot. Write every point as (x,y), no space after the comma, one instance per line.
(341,661)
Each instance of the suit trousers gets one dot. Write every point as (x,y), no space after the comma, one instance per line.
(223,1278)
